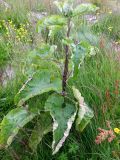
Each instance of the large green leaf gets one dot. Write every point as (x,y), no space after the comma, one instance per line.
(45,51)
(63,116)
(43,126)
(44,58)
(78,57)
(84,9)
(85,114)
(80,51)
(50,21)
(41,82)
(12,123)
(65,7)
(54,30)
(55,20)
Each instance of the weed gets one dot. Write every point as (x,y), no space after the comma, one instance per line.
(109,25)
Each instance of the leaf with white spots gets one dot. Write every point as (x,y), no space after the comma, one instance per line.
(41,82)
(85,9)
(85,114)
(12,123)
(43,126)
(63,115)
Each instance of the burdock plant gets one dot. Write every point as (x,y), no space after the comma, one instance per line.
(61,109)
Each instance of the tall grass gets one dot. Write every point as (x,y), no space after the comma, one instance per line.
(19,10)
(97,82)
(4,53)
(109,25)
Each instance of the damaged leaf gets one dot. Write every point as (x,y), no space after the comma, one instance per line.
(85,114)
(43,126)
(63,116)
(12,123)
(40,83)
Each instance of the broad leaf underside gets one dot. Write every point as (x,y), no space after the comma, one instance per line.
(41,82)
(63,116)
(85,114)
(12,123)
(43,126)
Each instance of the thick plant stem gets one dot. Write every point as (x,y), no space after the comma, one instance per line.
(65,72)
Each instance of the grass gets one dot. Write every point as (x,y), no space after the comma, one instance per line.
(4,53)
(97,80)
(109,25)
(98,76)
(19,10)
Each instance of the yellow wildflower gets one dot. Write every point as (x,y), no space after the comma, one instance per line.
(117,130)
(110,12)
(116,42)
